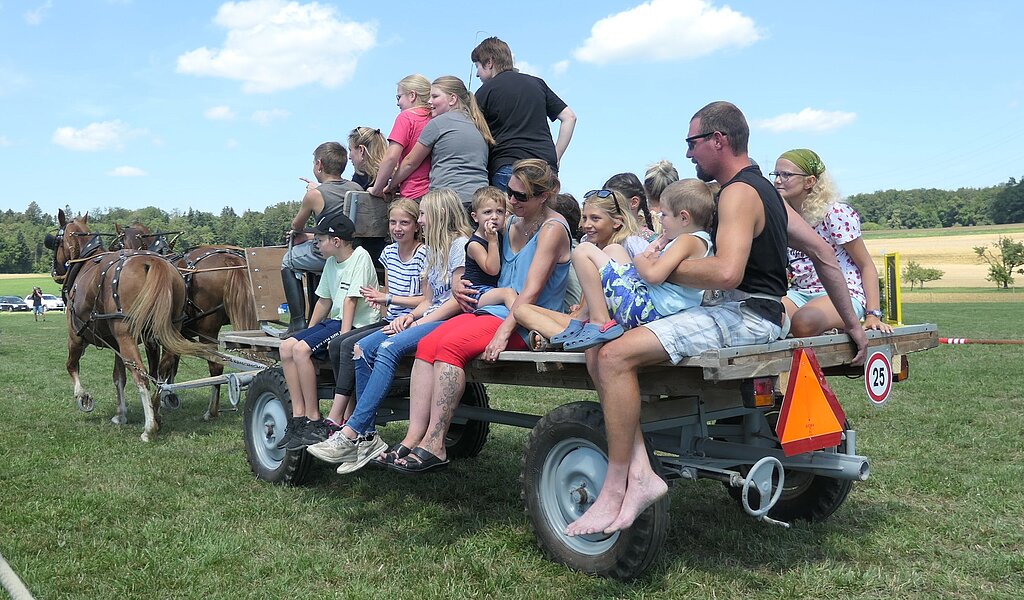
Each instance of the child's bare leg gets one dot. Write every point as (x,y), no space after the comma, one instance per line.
(496,296)
(339,409)
(618,253)
(588,260)
(542,320)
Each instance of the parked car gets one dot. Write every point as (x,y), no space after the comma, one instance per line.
(14,303)
(50,302)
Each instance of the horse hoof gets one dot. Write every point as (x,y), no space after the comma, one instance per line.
(209,416)
(118,419)
(146,437)
(85,403)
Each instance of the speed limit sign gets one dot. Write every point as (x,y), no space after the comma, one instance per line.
(878,378)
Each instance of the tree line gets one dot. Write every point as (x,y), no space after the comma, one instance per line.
(22,233)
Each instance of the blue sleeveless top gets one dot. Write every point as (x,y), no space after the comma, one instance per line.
(515,266)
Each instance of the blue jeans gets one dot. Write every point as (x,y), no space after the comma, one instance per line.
(501,177)
(375,370)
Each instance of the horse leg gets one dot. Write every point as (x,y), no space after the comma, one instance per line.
(168,373)
(150,402)
(121,417)
(213,411)
(76,346)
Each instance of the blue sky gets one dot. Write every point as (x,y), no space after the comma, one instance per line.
(133,103)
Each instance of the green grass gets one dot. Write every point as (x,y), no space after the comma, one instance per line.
(21,286)
(886,234)
(89,511)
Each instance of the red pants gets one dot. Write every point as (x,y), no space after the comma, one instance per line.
(463,338)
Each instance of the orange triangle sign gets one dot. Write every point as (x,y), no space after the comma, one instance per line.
(811,417)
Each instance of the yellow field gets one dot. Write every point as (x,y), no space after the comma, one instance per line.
(953,254)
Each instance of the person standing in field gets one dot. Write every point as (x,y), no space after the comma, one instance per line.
(37,304)
(517,108)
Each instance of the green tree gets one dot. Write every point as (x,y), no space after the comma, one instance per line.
(1008,204)
(1004,262)
(916,274)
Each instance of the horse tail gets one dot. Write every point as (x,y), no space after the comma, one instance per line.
(154,310)
(239,301)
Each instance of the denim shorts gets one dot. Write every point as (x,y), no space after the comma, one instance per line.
(304,257)
(800,298)
(319,336)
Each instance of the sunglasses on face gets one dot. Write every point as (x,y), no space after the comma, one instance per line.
(519,196)
(605,194)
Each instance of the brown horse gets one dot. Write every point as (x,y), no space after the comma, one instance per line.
(219,294)
(117,300)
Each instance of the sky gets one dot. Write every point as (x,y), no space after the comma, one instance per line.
(205,105)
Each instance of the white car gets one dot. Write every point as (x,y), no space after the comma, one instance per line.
(50,302)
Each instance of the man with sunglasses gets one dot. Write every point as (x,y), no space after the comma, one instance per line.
(751,232)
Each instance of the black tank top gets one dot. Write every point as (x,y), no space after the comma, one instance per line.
(333,193)
(766,266)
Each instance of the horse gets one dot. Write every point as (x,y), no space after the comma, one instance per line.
(117,300)
(218,294)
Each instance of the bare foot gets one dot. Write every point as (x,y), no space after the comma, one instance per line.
(640,494)
(598,517)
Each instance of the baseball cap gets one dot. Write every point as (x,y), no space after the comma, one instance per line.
(337,225)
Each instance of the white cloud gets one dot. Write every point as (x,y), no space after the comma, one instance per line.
(36,15)
(219,113)
(95,136)
(126,171)
(5,141)
(662,30)
(560,67)
(808,120)
(264,117)
(528,68)
(273,45)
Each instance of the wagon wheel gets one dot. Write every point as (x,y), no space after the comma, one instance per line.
(805,496)
(563,470)
(466,437)
(267,409)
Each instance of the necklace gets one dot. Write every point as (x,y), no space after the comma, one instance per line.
(529,234)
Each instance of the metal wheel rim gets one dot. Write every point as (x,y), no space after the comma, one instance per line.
(269,423)
(569,463)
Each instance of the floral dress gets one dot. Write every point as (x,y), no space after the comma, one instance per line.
(840,226)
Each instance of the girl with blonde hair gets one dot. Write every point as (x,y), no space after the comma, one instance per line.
(801,179)
(457,140)
(366,149)
(413,98)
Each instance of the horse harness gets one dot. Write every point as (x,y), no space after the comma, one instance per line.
(190,269)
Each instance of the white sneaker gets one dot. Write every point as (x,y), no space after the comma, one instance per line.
(367,449)
(335,449)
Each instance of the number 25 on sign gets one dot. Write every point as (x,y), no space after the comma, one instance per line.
(878,378)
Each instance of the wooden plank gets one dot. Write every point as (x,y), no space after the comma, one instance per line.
(265,278)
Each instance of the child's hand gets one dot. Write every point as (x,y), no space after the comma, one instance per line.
(491,229)
(658,244)
(372,294)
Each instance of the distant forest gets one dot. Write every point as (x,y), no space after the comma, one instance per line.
(22,233)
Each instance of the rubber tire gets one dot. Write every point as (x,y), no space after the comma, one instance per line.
(467,439)
(267,408)
(805,497)
(577,430)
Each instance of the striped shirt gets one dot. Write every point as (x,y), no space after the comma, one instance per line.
(403,277)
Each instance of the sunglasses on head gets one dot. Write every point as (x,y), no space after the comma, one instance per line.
(605,194)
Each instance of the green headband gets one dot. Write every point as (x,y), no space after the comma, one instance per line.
(807,160)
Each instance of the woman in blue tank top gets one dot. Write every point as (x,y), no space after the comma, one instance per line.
(535,264)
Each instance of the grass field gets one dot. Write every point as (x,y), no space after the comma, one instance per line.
(89,511)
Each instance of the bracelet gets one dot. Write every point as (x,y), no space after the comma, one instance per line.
(387,299)
(874,313)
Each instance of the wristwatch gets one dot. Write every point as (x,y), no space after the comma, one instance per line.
(874,313)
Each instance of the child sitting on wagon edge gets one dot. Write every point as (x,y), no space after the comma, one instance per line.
(638,292)
(340,308)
